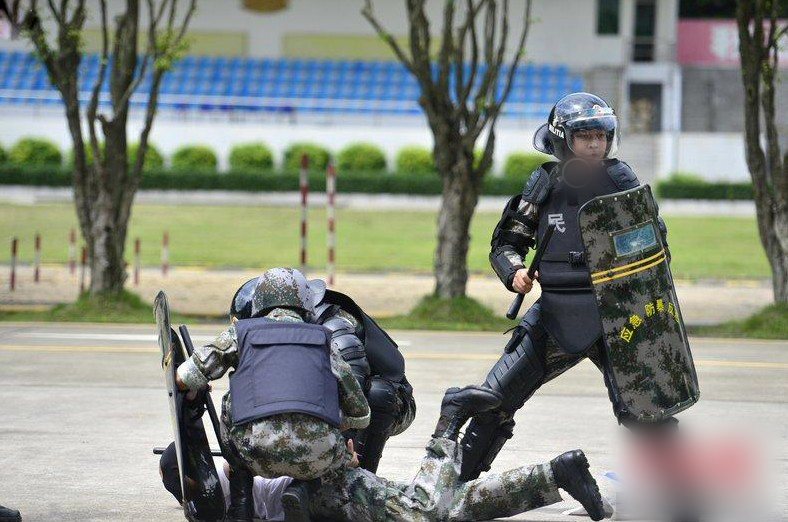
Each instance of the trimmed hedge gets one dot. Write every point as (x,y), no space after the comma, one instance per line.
(318,156)
(153,158)
(251,156)
(414,159)
(361,157)
(364,182)
(194,157)
(35,151)
(688,186)
(522,164)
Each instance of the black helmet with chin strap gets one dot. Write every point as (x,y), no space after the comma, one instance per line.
(575,112)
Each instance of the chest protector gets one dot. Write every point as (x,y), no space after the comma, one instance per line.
(569,310)
(283,367)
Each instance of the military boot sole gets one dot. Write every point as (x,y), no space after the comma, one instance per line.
(578,482)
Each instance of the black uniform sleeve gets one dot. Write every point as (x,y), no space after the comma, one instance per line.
(512,237)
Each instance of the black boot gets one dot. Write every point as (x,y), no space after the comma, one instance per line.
(9,515)
(295,501)
(571,474)
(459,405)
(241,502)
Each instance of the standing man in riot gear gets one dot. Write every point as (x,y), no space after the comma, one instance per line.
(291,393)
(372,355)
(564,326)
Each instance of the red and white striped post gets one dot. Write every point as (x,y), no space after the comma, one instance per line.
(303,185)
(72,252)
(331,189)
(37,259)
(14,251)
(137,262)
(165,253)
(83,269)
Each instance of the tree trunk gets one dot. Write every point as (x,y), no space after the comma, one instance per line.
(460,194)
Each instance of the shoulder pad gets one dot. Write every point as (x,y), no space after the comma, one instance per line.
(622,175)
(539,184)
(323,311)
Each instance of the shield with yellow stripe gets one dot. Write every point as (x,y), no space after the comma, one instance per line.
(648,355)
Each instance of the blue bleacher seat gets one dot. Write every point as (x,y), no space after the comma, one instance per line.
(369,86)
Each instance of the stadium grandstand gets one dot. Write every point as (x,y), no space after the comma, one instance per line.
(239,84)
(283,71)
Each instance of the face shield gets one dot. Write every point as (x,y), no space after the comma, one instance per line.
(580,130)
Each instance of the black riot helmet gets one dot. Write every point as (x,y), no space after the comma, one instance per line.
(241,306)
(575,112)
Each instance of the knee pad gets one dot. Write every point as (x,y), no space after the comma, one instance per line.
(518,374)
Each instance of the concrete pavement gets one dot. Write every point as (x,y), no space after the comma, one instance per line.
(82,405)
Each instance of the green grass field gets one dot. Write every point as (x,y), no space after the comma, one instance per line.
(259,237)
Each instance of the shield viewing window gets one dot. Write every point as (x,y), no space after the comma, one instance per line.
(634,240)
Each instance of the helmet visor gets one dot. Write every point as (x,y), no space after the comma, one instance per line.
(583,130)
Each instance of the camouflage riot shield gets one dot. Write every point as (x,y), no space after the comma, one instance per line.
(203,499)
(648,356)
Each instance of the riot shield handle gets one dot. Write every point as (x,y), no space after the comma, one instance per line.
(514,308)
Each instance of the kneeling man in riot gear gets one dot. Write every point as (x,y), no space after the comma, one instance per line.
(291,393)
(607,292)
(372,355)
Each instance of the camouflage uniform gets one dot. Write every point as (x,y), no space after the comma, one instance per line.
(435,494)
(292,444)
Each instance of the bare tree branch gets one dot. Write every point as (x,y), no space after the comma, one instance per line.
(367,12)
(96,91)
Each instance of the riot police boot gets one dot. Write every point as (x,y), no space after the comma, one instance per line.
(571,474)
(241,502)
(9,515)
(295,501)
(460,404)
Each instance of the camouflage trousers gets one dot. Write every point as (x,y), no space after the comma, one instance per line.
(285,445)
(435,494)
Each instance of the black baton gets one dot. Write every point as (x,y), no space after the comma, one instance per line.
(514,308)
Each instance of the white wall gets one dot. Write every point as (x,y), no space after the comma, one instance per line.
(714,156)
(564,31)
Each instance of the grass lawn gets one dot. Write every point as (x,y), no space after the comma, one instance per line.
(770,322)
(258,237)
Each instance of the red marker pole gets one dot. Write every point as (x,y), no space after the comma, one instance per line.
(303,185)
(137,262)
(82,270)
(37,259)
(331,188)
(72,252)
(165,253)
(14,249)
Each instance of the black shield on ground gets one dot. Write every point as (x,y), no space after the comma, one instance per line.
(648,355)
(202,492)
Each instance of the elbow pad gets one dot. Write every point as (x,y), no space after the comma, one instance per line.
(505,265)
